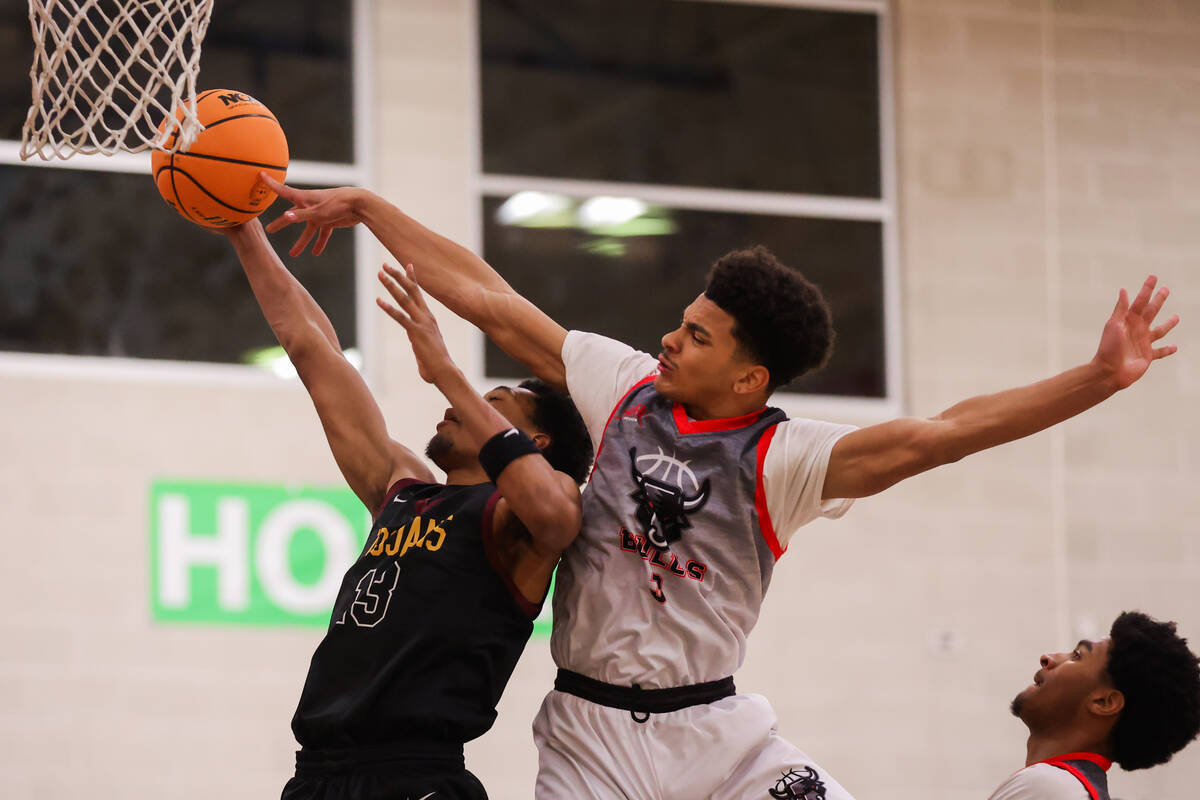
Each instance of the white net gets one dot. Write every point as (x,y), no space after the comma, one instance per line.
(107,72)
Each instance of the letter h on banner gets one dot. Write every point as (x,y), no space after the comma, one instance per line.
(180,549)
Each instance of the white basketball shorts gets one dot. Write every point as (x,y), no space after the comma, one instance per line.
(726,750)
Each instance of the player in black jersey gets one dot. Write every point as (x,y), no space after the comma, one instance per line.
(430,621)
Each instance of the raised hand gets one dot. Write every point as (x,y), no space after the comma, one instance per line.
(433,360)
(1127,342)
(321,210)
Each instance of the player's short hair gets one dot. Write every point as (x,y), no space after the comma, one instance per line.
(554,414)
(780,319)
(1152,666)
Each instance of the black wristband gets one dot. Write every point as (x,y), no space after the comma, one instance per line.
(503,449)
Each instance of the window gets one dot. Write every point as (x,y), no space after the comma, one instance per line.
(627,144)
(95,263)
(645,276)
(85,274)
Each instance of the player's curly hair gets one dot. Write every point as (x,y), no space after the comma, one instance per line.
(1152,666)
(780,319)
(554,414)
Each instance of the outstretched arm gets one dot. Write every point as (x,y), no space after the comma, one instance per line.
(872,459)
(544,500)
(462,281)
(354,426)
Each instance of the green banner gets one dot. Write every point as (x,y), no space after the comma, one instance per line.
(247,554)
(250,554)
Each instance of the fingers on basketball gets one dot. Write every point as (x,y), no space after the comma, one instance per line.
(217,183)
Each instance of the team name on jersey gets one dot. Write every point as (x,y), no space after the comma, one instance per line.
(636,543)
(428,534)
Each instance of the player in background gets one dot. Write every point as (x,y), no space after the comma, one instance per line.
(430,621)
(697,489)
(1132,698)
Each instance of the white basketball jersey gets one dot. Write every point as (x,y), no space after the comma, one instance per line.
(667,576)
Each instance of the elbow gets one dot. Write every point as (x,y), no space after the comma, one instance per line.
(943,444)
(945,458)
(492,310)
(302,343)
(469,302)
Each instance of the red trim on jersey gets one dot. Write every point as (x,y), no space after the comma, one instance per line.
(1095,758)
(489,516)
(613,413)
(760,495)
(392,492)
(1091,790)
(686,425)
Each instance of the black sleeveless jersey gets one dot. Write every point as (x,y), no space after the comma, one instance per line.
(425,633)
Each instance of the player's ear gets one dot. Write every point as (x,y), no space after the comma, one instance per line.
(755,378)
(1106,701)
(542,440)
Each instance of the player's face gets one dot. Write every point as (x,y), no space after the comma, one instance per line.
(452,446)
(701,359)
(1062,686)
(515,405)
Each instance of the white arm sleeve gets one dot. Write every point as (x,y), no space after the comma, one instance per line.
(794,475)
(1041,782)
(599,372)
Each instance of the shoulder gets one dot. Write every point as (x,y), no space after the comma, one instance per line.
(793,474)
(799,439)
(599,372)
(595,352)
(1041,782)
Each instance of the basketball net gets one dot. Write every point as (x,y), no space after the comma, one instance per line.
(107,72)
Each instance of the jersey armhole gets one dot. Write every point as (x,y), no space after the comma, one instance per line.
(487,532)
(760,494)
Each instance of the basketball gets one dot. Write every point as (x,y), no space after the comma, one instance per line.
(215,183)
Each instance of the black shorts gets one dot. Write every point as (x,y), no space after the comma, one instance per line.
(384,773)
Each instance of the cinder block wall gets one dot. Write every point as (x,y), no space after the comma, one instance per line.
(1047,156)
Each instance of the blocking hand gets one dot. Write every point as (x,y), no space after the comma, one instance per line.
(1127,342)
(321,210)
(433,360)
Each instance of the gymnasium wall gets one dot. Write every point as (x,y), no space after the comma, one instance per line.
(1046,153)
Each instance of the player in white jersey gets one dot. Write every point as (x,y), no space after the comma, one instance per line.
(697,488)
(1132,697)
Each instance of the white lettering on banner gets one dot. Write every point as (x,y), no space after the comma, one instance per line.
(271,555)
(180,549)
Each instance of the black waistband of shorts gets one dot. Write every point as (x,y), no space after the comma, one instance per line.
(639,700)
(325,761)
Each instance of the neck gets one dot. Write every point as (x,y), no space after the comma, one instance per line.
(1043,746)
(466,475)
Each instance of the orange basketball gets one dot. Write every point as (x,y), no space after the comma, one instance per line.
(215,183)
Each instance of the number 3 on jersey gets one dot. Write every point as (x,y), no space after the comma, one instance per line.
(372,596)
(656,590)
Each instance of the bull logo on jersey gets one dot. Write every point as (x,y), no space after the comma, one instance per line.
(799,786)
(663,505)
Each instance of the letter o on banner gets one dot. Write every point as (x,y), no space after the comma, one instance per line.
(271,555)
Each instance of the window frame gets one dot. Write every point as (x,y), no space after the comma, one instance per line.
(168,371)
(882,210)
